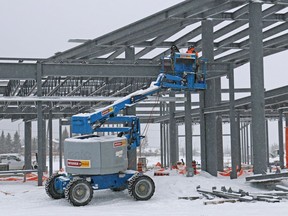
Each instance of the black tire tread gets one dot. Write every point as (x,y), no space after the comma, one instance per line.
(132,184)
(49,187)
(71,184)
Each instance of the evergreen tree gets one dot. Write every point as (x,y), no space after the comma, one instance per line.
(2,143)
(16,144)
(8,144)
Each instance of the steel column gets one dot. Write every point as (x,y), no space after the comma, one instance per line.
(132,153)
(247,143)
(286,137)
(210,101)
(188,135)
(167,144)
(161,136)
(251,142)
(244,142)
(174,151)
(239,140)
(50,143)
(233,126)
(130,53)
(267,140)
(40,125)
(203,132)
(257,87)
(281,141)
(28,141)
(44,145)
(60,145)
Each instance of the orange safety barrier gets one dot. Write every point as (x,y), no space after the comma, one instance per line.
(29,177)
(229,170)
(139,167)
(161,173)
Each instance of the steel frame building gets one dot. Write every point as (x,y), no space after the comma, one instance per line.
(229,33)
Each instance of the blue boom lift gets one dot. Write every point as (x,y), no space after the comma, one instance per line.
(100,162)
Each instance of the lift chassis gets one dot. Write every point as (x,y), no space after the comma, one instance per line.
(96,162)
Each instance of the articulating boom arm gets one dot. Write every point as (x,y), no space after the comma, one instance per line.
(189,73)
(88,123)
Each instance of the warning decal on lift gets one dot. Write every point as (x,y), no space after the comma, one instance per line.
(78,163)
(119,143)
(105,112)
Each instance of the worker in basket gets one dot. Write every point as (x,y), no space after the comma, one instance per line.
(191,49)
(198,77)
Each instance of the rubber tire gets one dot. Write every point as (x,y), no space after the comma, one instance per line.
(50,189)
(143,188)
(76,188)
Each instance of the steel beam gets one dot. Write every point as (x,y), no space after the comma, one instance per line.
(146,23)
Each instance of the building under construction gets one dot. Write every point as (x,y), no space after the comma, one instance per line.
(228,33)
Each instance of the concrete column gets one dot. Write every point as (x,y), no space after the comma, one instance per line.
(188,134)
(257,87)
(28,141)
(173,137)
(281,141)
(210,101)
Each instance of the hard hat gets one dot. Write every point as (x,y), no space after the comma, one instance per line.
(191,46)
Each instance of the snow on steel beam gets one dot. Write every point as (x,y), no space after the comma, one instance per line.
(28,71)
(271,46)
(225,30)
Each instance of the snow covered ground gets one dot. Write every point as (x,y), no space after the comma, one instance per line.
(18,198)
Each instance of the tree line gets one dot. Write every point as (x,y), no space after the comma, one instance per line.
(9,145)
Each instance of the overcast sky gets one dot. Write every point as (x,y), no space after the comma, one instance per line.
(34,28)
